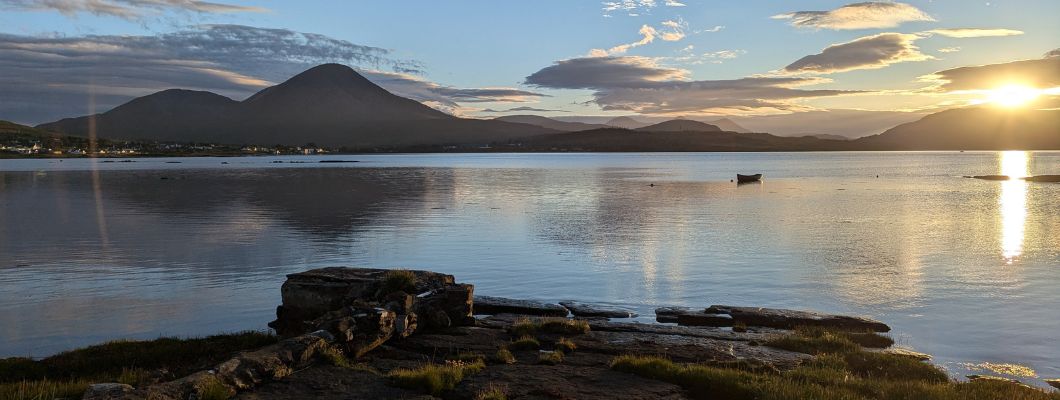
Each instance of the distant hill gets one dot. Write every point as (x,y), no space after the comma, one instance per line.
(619,140)
(974,128)
(828,136)
(330,105)
(728,125)
(625,122)
(549,123)
(680,125)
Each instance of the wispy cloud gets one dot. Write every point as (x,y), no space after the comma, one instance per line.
(635,8)
(974,32)
(675,31)
(866,15)
(640,84)
(522,109)
(950,49)
(869,52)
(127,9)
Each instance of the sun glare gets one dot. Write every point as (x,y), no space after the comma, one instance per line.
(1012,95)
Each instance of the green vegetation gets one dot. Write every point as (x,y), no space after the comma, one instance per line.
(434,379)
(505,356)
(215,390)
(492,393)
(550,358)
(842,370)
(336,357)
(564,326)
(467,357)
(739,327)
(66,375)
(565,345)
(399,280)
(525,343)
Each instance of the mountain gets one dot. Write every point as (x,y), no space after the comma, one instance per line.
(624,140)
(680,125)
(974,128)
(330,105)
(625,122)
(829,137)
(728,125)
(549,123)
(849,123)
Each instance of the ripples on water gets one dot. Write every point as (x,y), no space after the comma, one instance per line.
(964,269)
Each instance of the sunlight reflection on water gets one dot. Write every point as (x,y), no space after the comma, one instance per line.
(1013,202)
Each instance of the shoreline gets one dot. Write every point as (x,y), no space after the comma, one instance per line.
(364,328)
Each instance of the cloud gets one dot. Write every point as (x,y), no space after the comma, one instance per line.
(635,8)
(603,73)
(866,15)
(950,49)
(127,9)
(45,78)
(1040,73)
(640,85)
(713,57)
(521,109)
(648,34)
(869,52)
(716,28)
(1052,53)
(974,32)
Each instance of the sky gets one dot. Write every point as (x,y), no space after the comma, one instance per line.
(661,58)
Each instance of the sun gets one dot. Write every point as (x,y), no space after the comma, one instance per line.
(1011,96)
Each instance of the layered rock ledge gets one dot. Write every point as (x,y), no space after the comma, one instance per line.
(345,329)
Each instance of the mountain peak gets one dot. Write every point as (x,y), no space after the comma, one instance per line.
(680,125)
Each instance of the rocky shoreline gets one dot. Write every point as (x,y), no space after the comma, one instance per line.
(357,333)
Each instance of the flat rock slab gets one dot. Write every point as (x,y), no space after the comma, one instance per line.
(1043,178)
(686,316)
(500,305)
(669,314)
(580,309)
(991,177)
(791,319)
(1053,382)
(906,353)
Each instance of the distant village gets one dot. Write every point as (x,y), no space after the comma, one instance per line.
(79,147)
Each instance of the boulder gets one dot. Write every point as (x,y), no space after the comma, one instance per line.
(359,330)
(107,391)
(580,309)
(500,305)
(790,319)
(308,295)
(669,314)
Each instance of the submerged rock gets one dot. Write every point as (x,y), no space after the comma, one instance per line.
(1043,178)
(580,309)
(791,319)
(500,305)
(991,177)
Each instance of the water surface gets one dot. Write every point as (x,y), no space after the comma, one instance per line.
(964,269)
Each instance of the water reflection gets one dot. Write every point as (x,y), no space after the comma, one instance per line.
(1013,203)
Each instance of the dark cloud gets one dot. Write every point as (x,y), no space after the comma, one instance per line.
(127,9)
(866,15)
(1042,73)
(522,109)
(870,52)
(638,84)
(1053,53)
(604,72)
(45,78)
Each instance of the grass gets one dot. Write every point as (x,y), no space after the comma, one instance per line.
(434,379)
(504,356)
(399,280)
(68,374)
(336,357)
(565,345)
(215,390)
(525,343)
(467,357)
(491,393)
(563,326)
(550,357)
(841,370)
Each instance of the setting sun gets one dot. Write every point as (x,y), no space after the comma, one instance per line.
(1012,95)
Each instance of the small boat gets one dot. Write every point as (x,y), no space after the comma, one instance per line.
(748,178)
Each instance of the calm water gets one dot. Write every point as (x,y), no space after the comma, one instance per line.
(965,269)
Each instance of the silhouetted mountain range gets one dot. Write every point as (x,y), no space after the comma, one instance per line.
(330,105)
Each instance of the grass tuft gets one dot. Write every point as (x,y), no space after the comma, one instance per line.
(215,390)
(739,326)
(550,357)
(492,393)
(525,343)
(564,326)
(523,327)
(505,356)
(399,280)
(565,345)
(434,379)
(334,356)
